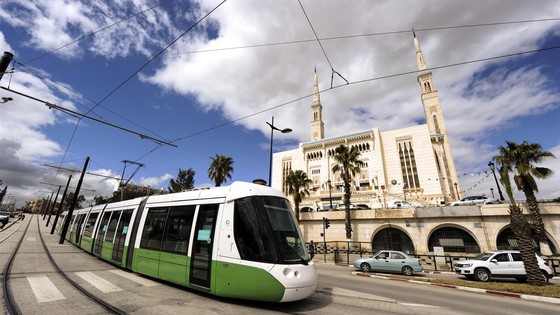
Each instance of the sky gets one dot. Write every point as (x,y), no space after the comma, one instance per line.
(206,77)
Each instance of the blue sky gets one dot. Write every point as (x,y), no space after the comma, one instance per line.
(214,88)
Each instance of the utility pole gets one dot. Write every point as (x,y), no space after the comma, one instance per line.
(73,205)
(54,205)
(61,205)
(123,183)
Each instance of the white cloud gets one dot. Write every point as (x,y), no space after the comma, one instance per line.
(476,99)
(155,181)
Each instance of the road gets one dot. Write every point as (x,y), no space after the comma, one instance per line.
(433,299)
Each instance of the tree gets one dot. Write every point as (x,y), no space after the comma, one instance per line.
(522,231)
(521,158)
(184,181)
(3,193)
(220,169)
(297,182)
(70,197)
(348,165)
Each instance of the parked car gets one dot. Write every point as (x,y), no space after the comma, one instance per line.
(397,204)
(499,264)
(474,200)
(4,217)
(362,207)
(389,261)
(341,206)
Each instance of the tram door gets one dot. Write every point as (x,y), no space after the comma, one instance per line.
(120,236)
(101,234)
(201,255)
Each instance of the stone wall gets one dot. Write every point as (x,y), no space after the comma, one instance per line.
(483,223)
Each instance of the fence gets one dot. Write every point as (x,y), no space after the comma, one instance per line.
(345,252)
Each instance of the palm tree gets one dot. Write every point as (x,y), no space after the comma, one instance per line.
(220,169)
(184,181)
(521,158)
(522,231)
(297,182)
(348,165)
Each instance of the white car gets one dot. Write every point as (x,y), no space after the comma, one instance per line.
(474,200)
(397,204)
(499,264)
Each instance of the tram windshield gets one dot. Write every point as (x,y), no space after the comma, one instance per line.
(265,230)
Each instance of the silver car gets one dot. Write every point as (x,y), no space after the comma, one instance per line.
(389,261)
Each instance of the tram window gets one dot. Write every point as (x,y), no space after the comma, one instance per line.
(153,228)
(252,241)
(286,233)
(112,226)
(90,224)
(178,229)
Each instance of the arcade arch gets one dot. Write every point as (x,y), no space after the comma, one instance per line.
(394,239)
(453,240)
(506,240)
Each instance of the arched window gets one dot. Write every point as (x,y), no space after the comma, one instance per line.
(392,239)
(453,240)
(508,241)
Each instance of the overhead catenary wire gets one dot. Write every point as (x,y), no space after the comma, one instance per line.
(367,80)
(364,81)
(321,45)
(97,31)
(74,113)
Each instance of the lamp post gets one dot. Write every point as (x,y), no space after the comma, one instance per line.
(491,166)
(272,128)
(456,191)
(492,192)
(330,196)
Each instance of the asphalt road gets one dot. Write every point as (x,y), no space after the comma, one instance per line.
(431,298)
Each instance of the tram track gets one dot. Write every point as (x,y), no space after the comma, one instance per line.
(8,295)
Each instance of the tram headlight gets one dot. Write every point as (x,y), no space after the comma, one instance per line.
(288,272)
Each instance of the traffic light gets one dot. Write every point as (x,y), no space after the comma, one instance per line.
(326,222)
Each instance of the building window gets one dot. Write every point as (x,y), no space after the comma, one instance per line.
(408,165)
(286,168)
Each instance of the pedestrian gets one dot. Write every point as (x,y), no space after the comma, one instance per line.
(311,249)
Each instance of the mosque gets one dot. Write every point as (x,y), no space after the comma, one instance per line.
(413,164)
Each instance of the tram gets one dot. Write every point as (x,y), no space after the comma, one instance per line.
(239,241)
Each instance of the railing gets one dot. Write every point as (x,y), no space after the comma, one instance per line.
(345,252)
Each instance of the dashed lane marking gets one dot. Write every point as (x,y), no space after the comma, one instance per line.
(130,276)
(98,282)
(44,289)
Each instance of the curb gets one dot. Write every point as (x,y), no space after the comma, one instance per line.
(476,290)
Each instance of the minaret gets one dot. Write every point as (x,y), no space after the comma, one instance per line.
(317,125)
(436,125)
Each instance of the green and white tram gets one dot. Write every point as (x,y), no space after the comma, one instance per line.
(239,241)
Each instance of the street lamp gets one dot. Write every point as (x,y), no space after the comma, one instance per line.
(456,191)
(330,196)
(272,128)
(492,192)
(491,166)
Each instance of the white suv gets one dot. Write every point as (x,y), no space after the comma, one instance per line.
(474,200)
(502,264)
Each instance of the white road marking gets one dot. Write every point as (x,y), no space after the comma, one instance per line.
(31,239)
(44,289)
(130,276)
(98,282)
